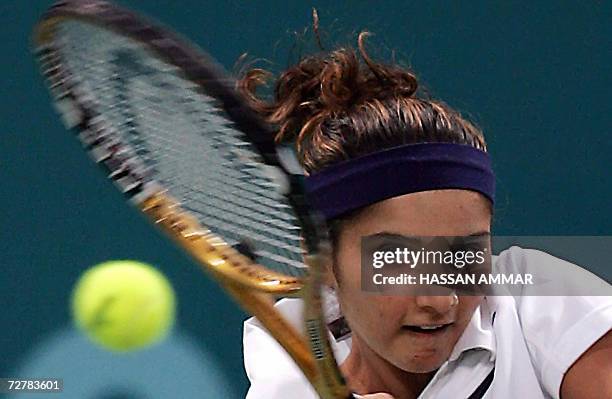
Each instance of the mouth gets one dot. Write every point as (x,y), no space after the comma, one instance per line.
(427,329)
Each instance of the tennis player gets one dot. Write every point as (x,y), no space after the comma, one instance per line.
(383,159)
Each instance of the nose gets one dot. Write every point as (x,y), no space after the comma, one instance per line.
(436,304)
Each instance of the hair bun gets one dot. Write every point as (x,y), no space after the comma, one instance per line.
(324,86)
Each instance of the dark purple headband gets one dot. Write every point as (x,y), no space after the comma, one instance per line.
(353,184)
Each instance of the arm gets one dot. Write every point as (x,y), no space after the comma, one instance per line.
(590,377)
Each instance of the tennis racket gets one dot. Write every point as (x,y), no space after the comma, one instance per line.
(166,125)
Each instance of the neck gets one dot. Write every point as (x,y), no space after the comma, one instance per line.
(367,372)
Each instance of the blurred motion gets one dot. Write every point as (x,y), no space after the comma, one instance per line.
(124,305)
(534,76)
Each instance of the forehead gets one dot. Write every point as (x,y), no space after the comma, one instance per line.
(434,213)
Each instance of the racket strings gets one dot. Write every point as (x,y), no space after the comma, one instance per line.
(186,141)
(164,210)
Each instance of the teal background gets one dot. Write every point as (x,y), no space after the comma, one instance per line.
(534,75)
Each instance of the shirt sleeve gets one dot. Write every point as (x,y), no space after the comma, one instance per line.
(557,328)
(271,371)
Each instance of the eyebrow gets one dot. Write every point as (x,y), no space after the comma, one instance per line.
(392,235)
(480,233)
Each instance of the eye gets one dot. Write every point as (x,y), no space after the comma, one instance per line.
(385,248)
(471,243)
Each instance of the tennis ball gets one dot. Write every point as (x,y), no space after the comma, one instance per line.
(123,305)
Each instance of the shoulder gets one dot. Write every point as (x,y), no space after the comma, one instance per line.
(271,371)
(557,318)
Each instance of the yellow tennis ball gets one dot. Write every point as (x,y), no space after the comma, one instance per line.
(123,305)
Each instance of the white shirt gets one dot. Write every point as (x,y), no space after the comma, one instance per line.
(530,340)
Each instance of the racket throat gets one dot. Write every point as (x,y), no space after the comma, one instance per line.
(329,383)
(246,248)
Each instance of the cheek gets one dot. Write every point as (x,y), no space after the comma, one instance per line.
(373,316)
(370,315)
(467,306)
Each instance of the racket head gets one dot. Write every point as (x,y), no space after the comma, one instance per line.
(93,86)
(166,125)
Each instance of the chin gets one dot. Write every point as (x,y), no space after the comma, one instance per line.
(422,364)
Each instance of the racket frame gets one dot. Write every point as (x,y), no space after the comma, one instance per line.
(247,282)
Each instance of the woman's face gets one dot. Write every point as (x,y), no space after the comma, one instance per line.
(386,323)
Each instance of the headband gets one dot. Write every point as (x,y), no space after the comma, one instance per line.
(353,184)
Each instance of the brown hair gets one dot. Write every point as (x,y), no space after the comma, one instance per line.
(338,107)
(341,104)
